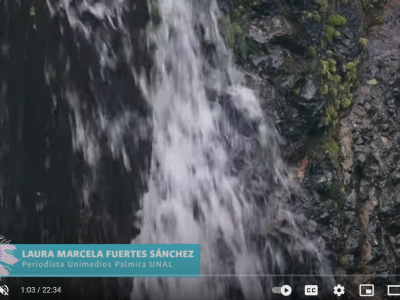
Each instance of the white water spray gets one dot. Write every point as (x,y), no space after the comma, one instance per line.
(211,181)
(194,197)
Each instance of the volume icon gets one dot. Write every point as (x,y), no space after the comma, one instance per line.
(4,290)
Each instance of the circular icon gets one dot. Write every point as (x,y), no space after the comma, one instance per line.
(286,290)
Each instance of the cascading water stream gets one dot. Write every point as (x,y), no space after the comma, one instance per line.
(196,191)
(216,176)
(193,196)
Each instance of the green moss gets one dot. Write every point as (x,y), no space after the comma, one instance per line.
(346,102)
(312,51)
(363,42)
(327,150)
(380,19)
(351,70)
(336,20)
(333,91)
(324,67)
(325,90)
(323,5)
(331,111)
(374,11)
(296,91)
(332,65)
(343,261)
(332,150)
(236,40)
(336,103)
(339,89)
(336,79)
(329,34)
(240,11)
(314,15)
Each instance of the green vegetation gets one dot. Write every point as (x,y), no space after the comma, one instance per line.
(323,5)
(329,33)
(327,149)
(342,190)
(380,19)
(372,82)
(337,89)
(351,70)
(314,15)
(336,20)
(343,261)
(325,90)
(312,51)
(363,42)
(236,40)
(332,150)
(373,10)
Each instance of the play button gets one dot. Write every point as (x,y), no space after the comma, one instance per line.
(286,290)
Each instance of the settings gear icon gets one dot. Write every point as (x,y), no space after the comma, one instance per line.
(338,290)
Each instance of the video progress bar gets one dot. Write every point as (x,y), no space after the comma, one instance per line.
(297,275)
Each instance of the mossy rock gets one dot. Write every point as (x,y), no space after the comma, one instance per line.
(236,40)
(336,20)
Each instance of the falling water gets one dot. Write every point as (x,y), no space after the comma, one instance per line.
(216,175)
(198,191)
(194,195)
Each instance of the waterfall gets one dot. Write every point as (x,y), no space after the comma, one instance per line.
(195,195)
(216,175)
(198,192)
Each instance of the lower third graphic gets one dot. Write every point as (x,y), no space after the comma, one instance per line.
(7,258)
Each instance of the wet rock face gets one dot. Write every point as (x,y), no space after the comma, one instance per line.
(349,169)
(375,124)
(42,176)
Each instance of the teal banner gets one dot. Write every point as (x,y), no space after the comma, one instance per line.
(105,260)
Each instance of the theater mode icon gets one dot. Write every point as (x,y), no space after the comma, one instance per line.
(393,290)
(311,290)
(366,290)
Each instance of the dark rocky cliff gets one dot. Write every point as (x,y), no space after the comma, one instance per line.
(42,177)
(329,73)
